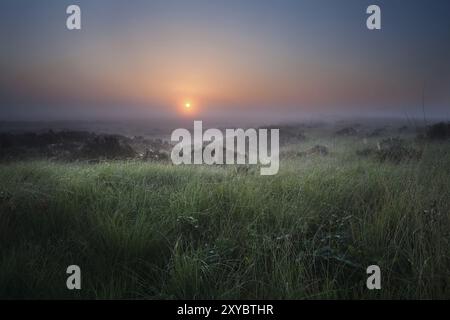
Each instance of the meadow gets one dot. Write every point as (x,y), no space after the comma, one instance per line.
(152,230)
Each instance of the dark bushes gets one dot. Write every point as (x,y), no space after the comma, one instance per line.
(106,147)
(393,149)
(438,131)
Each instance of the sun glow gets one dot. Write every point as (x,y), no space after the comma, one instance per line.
(188,107)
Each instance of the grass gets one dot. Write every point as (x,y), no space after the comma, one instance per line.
(149,231)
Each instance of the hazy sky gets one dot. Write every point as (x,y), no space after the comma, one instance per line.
(137,59)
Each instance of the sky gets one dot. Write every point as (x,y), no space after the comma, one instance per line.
(226,58)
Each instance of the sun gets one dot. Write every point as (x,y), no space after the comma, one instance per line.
(188,107)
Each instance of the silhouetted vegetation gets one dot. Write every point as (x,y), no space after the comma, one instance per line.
(438,131)
(78,145)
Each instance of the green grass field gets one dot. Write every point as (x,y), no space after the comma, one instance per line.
(152,230)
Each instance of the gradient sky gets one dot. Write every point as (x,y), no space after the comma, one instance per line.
(135,59)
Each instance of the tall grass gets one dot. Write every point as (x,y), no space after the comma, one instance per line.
(147,230)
